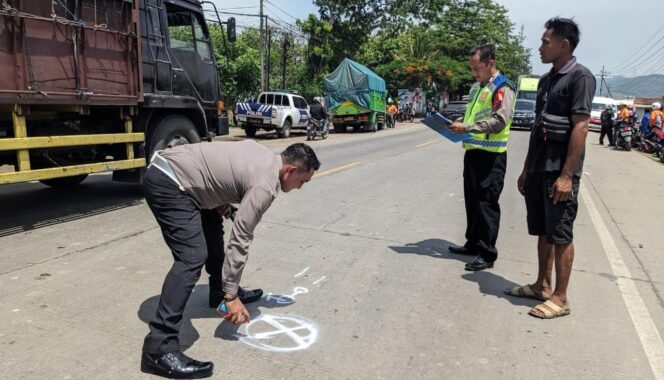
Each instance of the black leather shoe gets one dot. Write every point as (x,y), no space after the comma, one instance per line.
(479,264)
(175,365)
(460,250)
(249,295)
(245,295)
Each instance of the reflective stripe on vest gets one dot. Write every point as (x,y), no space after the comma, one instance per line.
(481,108)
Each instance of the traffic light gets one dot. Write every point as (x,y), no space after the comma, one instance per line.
(230,29)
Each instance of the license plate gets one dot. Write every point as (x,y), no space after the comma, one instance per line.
(254,120)
(349,118)
(625,134)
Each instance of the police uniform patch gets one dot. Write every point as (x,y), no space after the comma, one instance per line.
(483,96)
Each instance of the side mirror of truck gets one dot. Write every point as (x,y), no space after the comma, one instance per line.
(230,29)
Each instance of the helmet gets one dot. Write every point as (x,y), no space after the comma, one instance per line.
(609,106)
(657,106)
(318,99)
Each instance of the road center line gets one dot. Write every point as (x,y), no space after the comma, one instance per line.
(337,169)
(426,143)
(651,340)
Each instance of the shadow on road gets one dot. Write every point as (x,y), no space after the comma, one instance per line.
(495,285)
(197,308)
(265,136)
(431,247)
(28,206)
(489,283)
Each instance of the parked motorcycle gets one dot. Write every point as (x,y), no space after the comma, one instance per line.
(317,128)
(637,136)
(623,136)
(401,115)
(653,142)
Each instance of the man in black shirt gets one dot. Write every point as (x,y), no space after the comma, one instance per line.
(607,125)
(317,110)
(553,166)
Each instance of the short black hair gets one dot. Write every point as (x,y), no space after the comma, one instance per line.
(302,155)
(565,28)
(487,52)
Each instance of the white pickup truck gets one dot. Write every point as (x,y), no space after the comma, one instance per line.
(278,111)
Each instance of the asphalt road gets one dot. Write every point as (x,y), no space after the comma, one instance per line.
(362,284)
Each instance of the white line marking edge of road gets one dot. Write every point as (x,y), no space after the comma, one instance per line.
(650,338)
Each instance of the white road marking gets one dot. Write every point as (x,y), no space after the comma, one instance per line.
(320,280)
(426,143)
(651,340)
(302,272)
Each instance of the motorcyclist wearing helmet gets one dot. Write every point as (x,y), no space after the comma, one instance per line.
(318,112)
(656,116)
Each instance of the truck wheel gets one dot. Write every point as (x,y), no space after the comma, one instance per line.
(339,128)
(171,131)
(284,132)
(356,128)
(250,130)
(64,182)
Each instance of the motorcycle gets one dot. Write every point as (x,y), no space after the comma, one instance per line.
(637,136)
(317,128)
(653,142)
(623,136)
(401,116)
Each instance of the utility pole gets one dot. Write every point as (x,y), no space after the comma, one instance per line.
(286,45)
(269,44)
(603,74)
(262,34)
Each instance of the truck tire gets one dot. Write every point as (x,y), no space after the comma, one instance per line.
(284,131)
(64,182)
(339,128)
(173,130)
(249,130)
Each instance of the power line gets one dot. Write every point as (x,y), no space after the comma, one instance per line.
(622,64)
(282,11)
(643,58)
(233,8)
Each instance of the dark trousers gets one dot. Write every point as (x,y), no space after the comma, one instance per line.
(607,130)
(195,238)
(483,179)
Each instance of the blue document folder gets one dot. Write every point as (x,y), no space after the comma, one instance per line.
(440,124)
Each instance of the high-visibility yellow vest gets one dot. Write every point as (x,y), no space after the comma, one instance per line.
(480,108)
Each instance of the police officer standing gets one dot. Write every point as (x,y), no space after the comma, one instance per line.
(607,125)
(487,120)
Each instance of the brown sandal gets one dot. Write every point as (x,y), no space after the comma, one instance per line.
(550,310)
(525,291)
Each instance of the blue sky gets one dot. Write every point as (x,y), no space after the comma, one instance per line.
(614,33)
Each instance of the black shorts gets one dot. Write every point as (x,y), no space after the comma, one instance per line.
(556,222)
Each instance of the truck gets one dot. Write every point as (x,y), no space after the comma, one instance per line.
(355,97)
(273,110)
(90,86)
(527,87)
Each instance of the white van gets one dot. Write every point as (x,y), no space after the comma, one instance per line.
(599,105)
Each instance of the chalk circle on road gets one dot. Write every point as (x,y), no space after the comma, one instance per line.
(280,333)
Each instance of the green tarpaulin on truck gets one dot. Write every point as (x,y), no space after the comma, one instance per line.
(353,82)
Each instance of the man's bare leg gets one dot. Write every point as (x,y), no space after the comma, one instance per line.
(545,256)
(564,260)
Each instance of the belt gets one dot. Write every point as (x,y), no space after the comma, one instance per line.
(160,163)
